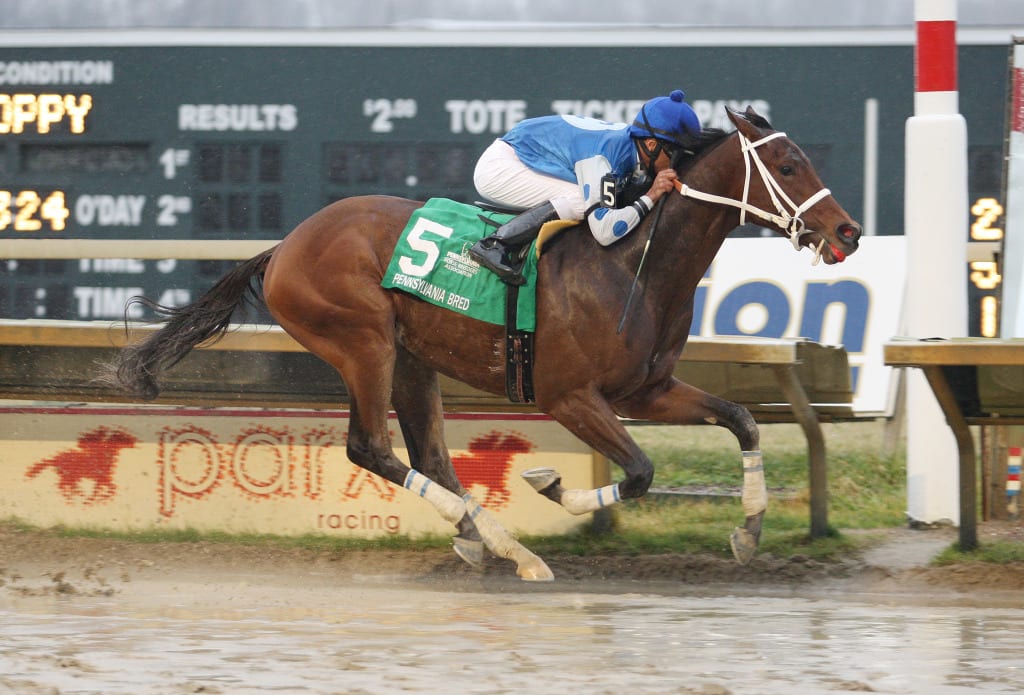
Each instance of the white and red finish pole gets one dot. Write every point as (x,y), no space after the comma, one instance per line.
(936,228)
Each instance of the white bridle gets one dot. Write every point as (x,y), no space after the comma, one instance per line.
(791,222)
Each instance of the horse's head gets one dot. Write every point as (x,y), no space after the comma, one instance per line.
(508,443)
(105,437)
(785,189)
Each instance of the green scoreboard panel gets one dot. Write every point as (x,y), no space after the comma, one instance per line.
(197,142)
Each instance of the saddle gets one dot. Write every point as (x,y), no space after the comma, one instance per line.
(548,231)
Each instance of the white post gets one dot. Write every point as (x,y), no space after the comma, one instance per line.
(869,222)
(936,228)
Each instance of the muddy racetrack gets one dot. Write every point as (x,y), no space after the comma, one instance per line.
(33,562)
(81,615)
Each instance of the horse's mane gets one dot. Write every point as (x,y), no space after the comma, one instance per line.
(692,150)
(696,146)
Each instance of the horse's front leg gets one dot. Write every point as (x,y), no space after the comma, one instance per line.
(673,402)
(588,415)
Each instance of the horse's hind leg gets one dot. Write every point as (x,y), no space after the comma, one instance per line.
(370,449)
(351,325)
(365,359)
(416,397)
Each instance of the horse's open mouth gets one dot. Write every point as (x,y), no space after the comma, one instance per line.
(837,255)
(827,251)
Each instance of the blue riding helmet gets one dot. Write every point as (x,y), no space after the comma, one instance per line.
(666,118)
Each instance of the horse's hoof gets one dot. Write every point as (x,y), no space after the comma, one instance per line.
(541,478)
(535,570)
(472,552)
(744,545)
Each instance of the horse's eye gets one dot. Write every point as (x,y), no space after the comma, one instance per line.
(786,170)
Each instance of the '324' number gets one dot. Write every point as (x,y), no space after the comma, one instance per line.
(28,211)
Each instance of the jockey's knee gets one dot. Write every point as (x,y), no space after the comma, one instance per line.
(569,207)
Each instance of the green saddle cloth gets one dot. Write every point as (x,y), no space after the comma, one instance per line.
(431,261)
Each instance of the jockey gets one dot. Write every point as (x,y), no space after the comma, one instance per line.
(570,167)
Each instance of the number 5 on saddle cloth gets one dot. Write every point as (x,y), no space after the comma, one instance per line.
(431,261)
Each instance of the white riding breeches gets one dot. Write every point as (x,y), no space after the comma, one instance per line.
(501,178)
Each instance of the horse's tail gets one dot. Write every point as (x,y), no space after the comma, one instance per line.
(138,367)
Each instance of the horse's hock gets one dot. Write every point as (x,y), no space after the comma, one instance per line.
(218,463)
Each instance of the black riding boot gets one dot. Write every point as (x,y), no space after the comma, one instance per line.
(501,252)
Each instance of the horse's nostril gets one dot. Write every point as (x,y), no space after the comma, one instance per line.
(849,231)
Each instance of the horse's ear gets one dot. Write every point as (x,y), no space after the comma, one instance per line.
(745,122)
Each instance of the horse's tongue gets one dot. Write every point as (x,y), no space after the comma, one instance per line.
(839,255)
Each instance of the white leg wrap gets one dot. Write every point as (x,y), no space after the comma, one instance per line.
(447,503)
(501,543)
(494,534)
(583,501)
(755,491)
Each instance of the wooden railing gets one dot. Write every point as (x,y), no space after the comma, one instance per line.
(779,380)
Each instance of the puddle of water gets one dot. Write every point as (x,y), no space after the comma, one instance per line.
(411,639)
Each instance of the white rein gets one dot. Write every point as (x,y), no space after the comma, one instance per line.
(789,221)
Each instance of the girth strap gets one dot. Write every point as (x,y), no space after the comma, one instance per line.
(518,352)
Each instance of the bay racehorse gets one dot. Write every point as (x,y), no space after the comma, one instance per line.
(322,283)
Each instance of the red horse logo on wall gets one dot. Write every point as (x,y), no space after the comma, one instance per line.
(93,459)
(488,464)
